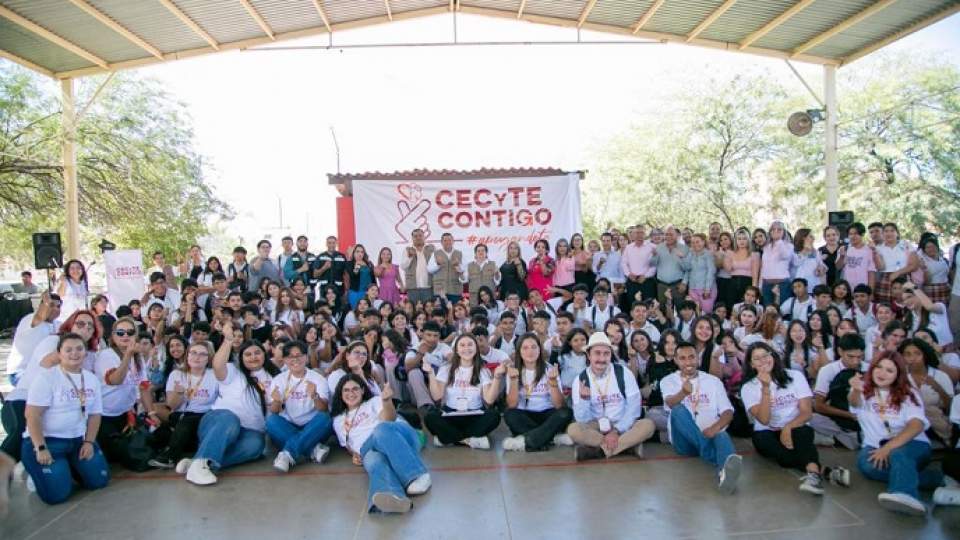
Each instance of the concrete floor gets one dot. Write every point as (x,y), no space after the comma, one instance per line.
(479,494)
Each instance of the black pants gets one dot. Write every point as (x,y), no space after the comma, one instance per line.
(738,286)
(724,290)
(14,422)
(453,429)
(951,463)
(179,435)
(538,428)
(804,452)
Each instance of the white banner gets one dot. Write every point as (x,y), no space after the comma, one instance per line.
(124,276)
(493,211)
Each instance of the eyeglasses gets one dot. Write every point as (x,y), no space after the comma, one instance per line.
(120,333)
(199,353)
(359,353)
(351,389)
(82,324)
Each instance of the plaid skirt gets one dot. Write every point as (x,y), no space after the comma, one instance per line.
(938,292)
(881,289)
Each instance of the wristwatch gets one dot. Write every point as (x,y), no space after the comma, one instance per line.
(41,448)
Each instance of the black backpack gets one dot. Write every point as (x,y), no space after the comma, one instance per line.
(617,371)
(837,397)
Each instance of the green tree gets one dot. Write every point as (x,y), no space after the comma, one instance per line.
(140,178)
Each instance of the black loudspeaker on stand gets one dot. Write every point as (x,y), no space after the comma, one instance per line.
(47,250)
(841,220)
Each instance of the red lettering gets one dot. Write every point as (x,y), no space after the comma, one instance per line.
(533,196)
(484,202)
(515,191)
(463,198)
(439,199)
(445,220)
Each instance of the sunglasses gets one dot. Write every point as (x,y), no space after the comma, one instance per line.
(121,333)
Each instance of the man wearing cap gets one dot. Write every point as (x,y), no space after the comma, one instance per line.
(606,406)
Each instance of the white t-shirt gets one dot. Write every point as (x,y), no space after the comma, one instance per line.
(298,405)
(605,397)
(894,258)
(54,390)
(784,402)
(598,316)
(234,396)
(31,368)
(460,395)
(25,340)
(362,421)
(494,356)
(200,392)
(797,310)
(927,392)
(571,364)
(120,398)
(826,375)
(939,323)
(707,401)
(872,421)
(534,397)
(651,330)
(334,379)
(437,357)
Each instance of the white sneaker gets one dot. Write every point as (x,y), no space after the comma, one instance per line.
(20,472)
(812,483)
(200,474)
(562,439)
(946,496)
(419,486)
(31,487)
(902,503)
(388,503)
(516,444)
(949,482)
(823,440)
(183,465)
(638,450)
(437,443)
(478,443)
(320,453)
(730,473)
(283,461)
(838,476)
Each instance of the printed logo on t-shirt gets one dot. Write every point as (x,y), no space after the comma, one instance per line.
(73,394)
(854,261)
(784,400)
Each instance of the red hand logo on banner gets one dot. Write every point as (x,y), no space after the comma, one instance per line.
(412,216)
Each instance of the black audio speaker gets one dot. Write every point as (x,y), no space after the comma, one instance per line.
(47,251)
(841,220)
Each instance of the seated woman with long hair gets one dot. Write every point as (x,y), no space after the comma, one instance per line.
(63,416)
(366,426)
(895,449)
(233,431)
(467,392)
(536,413)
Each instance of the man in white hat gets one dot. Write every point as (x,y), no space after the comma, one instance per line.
(606,406)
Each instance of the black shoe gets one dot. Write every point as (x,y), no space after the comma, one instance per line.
(161,461)
(584,453)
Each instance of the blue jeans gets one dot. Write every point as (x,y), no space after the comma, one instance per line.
(299,440)
(766,292)
(55,481)
(688,440)
(391,457)
(225,442)
(906,472)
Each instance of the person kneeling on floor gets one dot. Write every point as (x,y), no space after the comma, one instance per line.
(779,402)
(699,415)
(606,406)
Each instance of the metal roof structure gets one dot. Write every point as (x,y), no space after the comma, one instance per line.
(73,38)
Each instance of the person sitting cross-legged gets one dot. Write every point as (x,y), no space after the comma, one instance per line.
(606,406)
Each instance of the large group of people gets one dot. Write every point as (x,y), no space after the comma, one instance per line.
(668,335)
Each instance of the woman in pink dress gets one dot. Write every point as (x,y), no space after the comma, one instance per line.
(388,277)
(540,270)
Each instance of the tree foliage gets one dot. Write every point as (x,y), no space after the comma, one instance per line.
(140,178)
(723,153)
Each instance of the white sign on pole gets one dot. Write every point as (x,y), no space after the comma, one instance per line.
(492,211)
(124,276)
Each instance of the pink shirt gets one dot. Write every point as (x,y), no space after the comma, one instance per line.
(636,260)
(858,265)
(743,267)
(563,274)
(775,263)
(535,277)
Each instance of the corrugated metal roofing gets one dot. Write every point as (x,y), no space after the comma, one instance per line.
(233,27)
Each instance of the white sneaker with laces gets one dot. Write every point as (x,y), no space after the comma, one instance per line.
(516,444)
(812,483)
(283,461)
(730,474)
(419,486)
(320,453)
(200,474)
(562,439)
(946,496)
(183,465)
(902,503)
(478,443)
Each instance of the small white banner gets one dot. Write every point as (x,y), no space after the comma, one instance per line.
(124,276)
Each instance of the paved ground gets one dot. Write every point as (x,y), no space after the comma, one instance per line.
(484,495)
